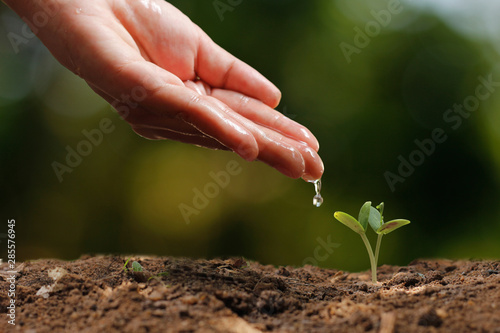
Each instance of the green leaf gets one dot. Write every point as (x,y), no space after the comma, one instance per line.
(380,208)
(349,221)
(126,262)
(375,219)
(136,267)
(391,226)
(364,214)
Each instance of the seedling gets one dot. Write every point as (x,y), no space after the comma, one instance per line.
(136,267)
(373,217)
(141,275)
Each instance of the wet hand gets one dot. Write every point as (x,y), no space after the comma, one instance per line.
(191,89)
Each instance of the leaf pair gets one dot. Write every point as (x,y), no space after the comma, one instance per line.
(369,215)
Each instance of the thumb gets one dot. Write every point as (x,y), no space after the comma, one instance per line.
(220,69)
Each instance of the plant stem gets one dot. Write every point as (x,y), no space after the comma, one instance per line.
(372,257)
(377,248)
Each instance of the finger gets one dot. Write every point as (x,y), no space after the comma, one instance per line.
(296,135)
(274,149)
(263,115)
(208,117)
(162,134)
(220,69)
(314,167)
(292,158)
(283,157)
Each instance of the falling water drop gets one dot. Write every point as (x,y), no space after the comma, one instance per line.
(317,199)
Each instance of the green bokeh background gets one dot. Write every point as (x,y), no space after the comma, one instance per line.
(124,197)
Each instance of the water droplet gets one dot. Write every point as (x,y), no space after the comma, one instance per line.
(317,199)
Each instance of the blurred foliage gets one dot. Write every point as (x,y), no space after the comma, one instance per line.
(124,197)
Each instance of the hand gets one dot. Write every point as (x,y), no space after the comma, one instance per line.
(194,91)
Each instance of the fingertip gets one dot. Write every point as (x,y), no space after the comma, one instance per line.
(314,165)
(260,88)
(248,149)
(308,178)
(311,177)
(274,96)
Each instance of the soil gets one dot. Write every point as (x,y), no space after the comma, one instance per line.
(95,294)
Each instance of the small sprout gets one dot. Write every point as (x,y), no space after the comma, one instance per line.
(136,267)
(125,265)
(141,275)
(369,215)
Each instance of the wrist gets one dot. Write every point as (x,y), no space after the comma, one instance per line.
(18,6)
(33,10)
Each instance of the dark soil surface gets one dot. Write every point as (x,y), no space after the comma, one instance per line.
(95,294)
